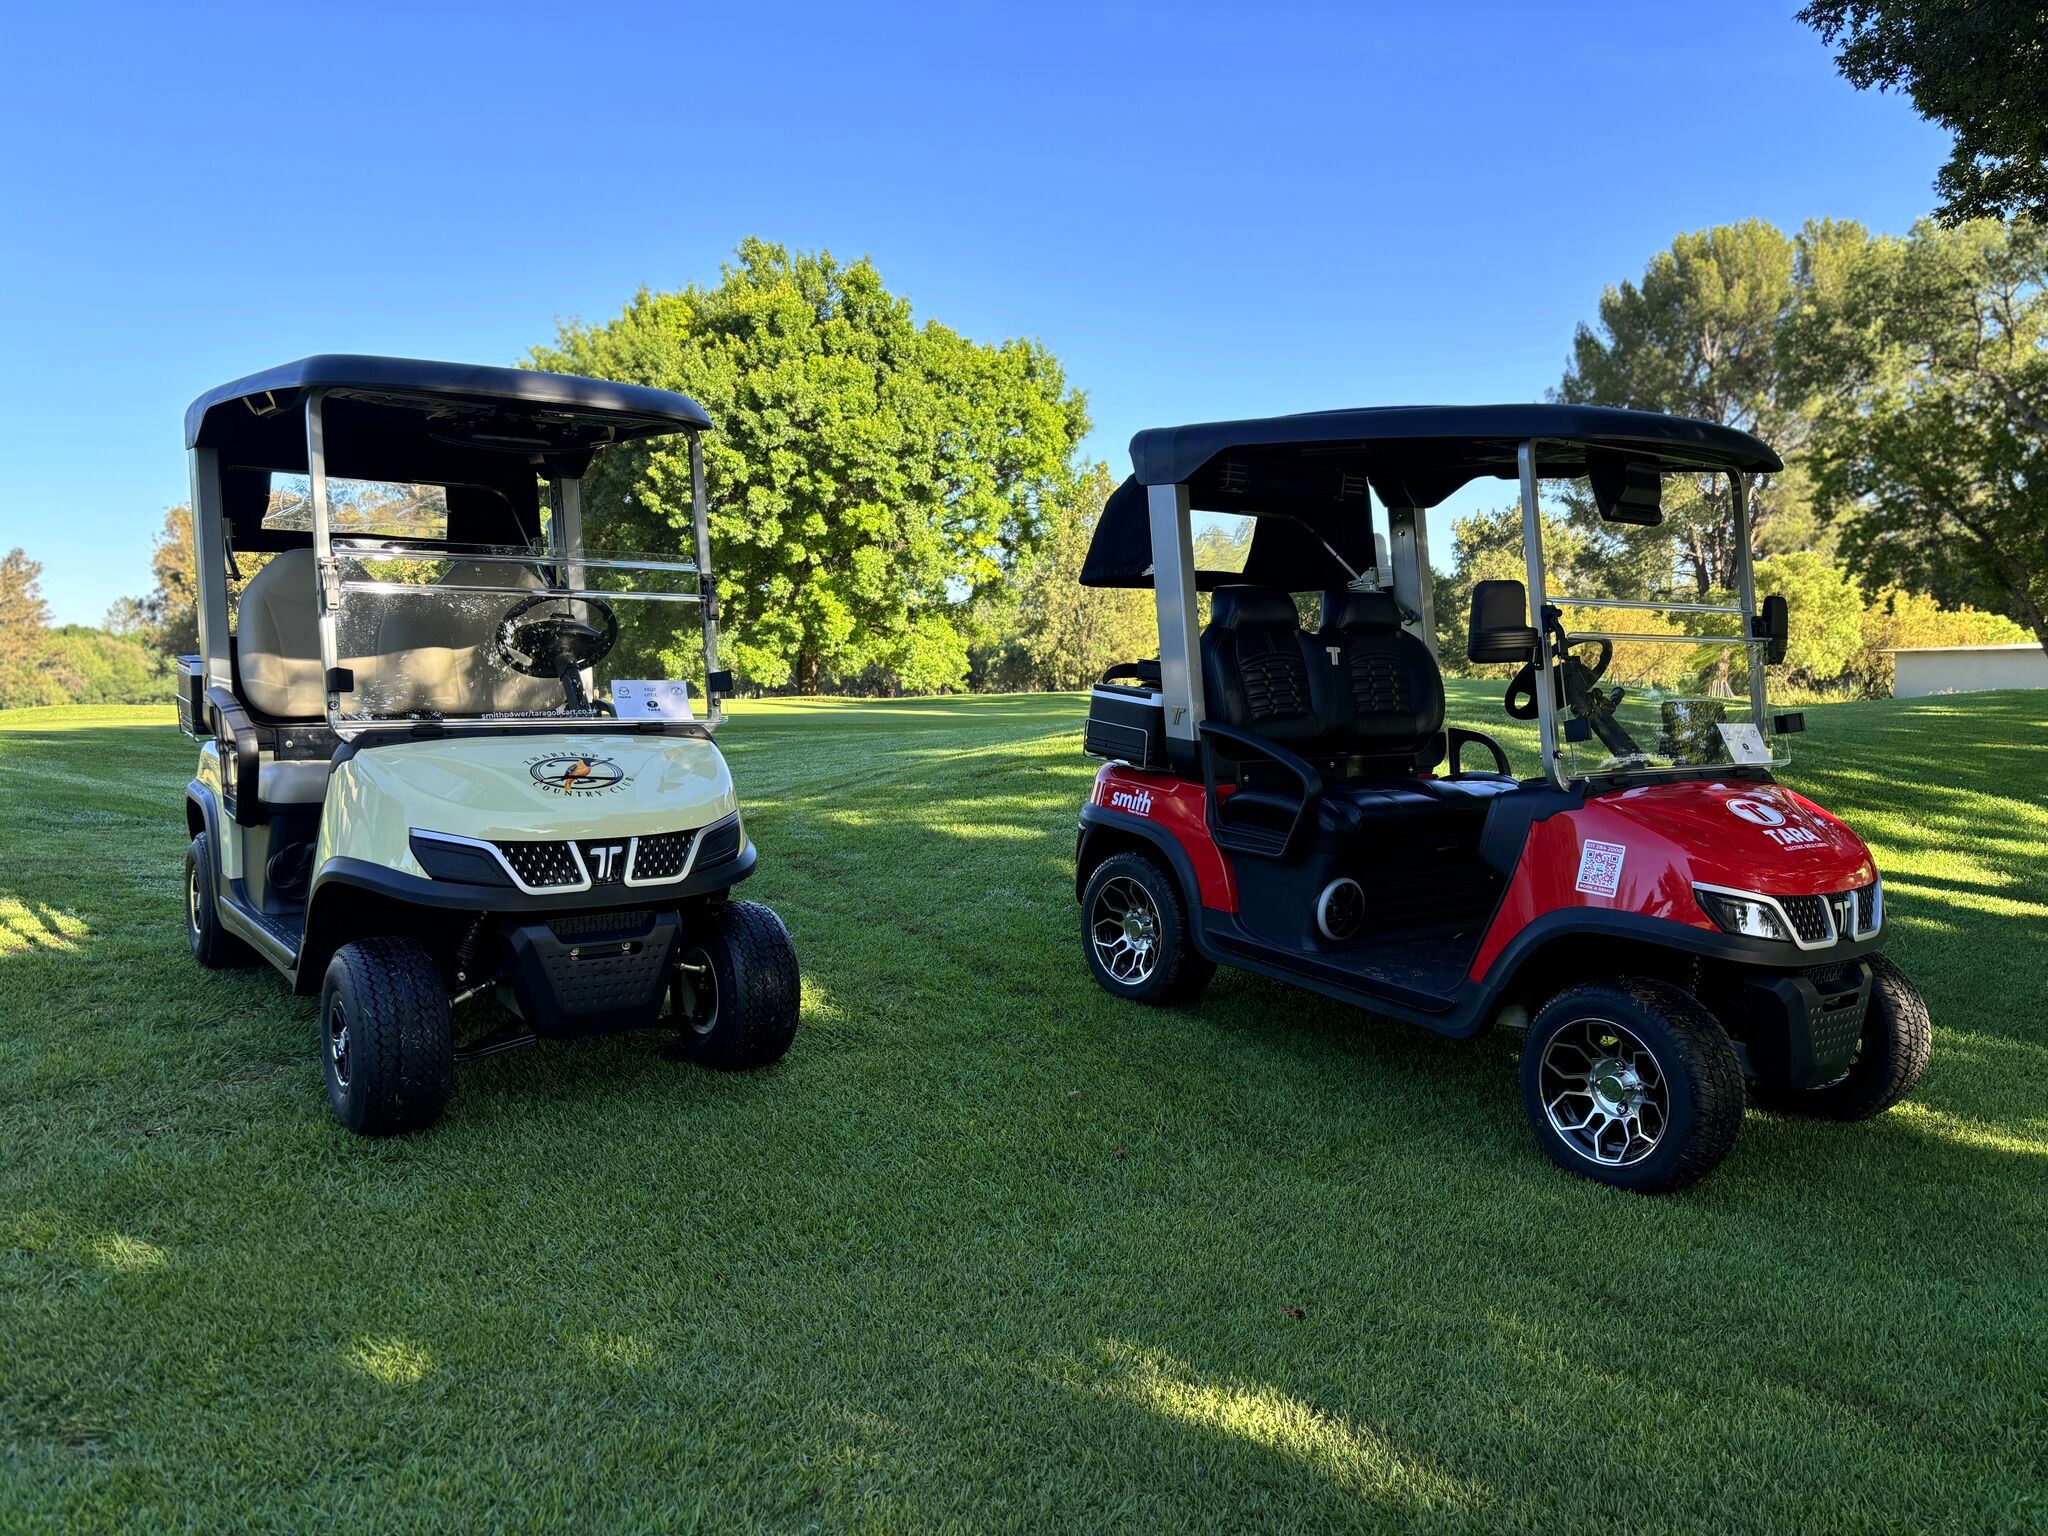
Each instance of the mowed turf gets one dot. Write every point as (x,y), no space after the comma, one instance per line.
(991,1251)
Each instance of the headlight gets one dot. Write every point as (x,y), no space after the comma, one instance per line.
(1746,915)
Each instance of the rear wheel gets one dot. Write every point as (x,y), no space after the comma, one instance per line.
(1134,929)
(737,992)
(1890,1055)
(388,1046)
(212,945)
(1631,1083)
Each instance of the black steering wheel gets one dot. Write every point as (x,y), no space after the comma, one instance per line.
(557,645)
(1577,683)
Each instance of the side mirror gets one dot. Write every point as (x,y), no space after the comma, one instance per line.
(1500,623)
(1773,625)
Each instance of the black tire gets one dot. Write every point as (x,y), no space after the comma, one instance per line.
(1891,1054)
(212,945)
(738,996)
(1151,948)
(386,1043)
(1695,1084)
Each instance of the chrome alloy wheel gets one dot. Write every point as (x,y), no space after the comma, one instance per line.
(1124,928)
(1604,1092)
(192,895)
(337,1042)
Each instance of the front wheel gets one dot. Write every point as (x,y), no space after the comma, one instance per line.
(1631,1083)
(737,991)
(386,1038)
(1134,928)
(1891,1053)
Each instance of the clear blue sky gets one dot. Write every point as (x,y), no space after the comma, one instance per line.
(1203,212)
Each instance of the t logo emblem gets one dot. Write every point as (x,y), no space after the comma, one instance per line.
(1335,653)
(607,857)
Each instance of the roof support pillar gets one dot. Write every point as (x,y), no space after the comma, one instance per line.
(1414,581)
(209,548)
(1173,586)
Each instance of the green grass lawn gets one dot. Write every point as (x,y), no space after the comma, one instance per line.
(990,1250)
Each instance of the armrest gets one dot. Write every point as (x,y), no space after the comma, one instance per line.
(241,755)
(1461,738)
(1216,737)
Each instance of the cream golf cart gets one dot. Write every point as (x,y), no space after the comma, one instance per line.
(451,751)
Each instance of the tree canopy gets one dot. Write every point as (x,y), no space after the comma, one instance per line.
(1926,359)
(1977,67)
(867,475)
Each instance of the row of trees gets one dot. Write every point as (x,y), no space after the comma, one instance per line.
(70,664)
(897,508)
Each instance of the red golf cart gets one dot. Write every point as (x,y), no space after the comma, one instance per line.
(1663,917)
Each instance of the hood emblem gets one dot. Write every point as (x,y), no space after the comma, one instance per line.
(576,775)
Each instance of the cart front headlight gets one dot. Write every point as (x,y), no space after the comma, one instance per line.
(1748,916)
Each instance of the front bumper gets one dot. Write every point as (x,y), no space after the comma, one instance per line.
(1803,1026)
(591,973)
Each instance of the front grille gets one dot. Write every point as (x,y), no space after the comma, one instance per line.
(1809,916)
(1866,907)
(596,925)
(661,856)
(542,865)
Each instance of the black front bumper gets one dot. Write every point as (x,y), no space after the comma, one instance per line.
(593,973)
(1803,1026)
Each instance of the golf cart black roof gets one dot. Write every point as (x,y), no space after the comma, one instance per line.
(1308,475)
(488,434)
(569,412)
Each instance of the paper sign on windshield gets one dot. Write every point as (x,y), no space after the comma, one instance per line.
(643,698)
(1745,743)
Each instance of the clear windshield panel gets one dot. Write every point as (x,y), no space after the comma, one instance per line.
(1644,703)
(502,636)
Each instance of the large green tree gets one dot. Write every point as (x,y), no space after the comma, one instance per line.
(1927,359)
(868,474)
(1698,336)
(1977,67)
(24,625)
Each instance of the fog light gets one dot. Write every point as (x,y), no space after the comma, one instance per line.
(1744,915)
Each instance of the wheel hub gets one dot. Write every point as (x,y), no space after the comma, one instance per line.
(337,1043)
(1604,1092)
(1123,927)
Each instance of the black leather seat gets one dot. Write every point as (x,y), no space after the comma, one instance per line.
(1380,696)
(1255,666)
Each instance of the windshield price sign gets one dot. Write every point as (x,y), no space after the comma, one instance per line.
(651,699)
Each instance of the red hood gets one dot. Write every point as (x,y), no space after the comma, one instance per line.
(1753,837)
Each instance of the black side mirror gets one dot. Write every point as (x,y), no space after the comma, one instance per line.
(1773,625)
(1500,628)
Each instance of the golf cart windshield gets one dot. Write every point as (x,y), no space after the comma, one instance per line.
(1655,667)
(492,634)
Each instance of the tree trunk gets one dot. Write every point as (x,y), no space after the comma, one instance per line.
(807,668)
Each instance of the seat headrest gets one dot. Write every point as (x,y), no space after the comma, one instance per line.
(1345,609)
(1244,607)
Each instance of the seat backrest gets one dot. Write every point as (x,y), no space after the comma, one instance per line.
(1255,665)
(1378,690)
(277,647)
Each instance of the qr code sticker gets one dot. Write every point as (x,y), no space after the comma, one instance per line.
(1600,868)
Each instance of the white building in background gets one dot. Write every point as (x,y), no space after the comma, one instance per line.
(1968,668)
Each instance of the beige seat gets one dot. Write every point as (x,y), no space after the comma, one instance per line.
(278,643)
(439,651)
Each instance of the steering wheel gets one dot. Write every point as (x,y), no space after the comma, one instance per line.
(1577,684)
(557,645)
(1578,681)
